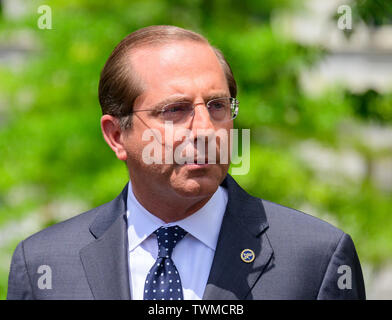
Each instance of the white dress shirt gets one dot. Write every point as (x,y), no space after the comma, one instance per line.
(192,256)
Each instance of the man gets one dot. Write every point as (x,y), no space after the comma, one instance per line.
(180,229)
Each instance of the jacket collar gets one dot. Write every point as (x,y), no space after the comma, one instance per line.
(243,227)
(108,213)
(105,260)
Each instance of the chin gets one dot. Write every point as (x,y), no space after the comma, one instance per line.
(198,182)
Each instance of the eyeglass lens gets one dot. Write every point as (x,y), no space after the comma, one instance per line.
(221,109)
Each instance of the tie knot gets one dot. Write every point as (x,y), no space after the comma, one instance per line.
(168,237)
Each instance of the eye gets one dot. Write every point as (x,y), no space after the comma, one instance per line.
(177,107)
(176,111)
(219,104)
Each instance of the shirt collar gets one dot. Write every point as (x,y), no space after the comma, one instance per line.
(204,224)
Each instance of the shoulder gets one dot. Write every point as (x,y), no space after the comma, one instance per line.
(79,230)
(71,233)
(286,226)
(289,219)
(291,228)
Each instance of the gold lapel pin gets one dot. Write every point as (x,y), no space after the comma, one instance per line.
(247,255)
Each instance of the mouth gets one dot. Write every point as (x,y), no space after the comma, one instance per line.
(198,163)
(195,167)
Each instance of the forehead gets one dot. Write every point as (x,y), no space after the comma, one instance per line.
(178,66)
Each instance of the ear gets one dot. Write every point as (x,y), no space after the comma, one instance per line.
(113,135)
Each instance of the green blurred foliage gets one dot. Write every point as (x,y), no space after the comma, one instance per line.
(373,12)
(51,146)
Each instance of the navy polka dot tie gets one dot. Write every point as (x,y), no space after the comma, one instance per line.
(163,281)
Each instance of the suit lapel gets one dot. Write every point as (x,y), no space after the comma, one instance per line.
(243,227)
(105,260)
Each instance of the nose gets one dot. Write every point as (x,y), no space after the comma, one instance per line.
(201,118)
(202,129)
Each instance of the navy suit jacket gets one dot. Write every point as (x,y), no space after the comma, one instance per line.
(296,256)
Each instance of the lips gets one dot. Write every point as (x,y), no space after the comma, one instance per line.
(197,161)
(200,161)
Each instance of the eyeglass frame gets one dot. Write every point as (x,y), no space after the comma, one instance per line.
(232,100)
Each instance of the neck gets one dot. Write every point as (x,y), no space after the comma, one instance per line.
(169,208)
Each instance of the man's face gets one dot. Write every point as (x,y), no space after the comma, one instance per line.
(179,71)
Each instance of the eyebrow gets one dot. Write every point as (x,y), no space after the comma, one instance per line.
(167,101)
(217,95)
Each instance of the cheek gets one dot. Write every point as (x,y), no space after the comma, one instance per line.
(134,146)
(146,157)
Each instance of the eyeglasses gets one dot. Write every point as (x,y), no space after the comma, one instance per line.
(220,110)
